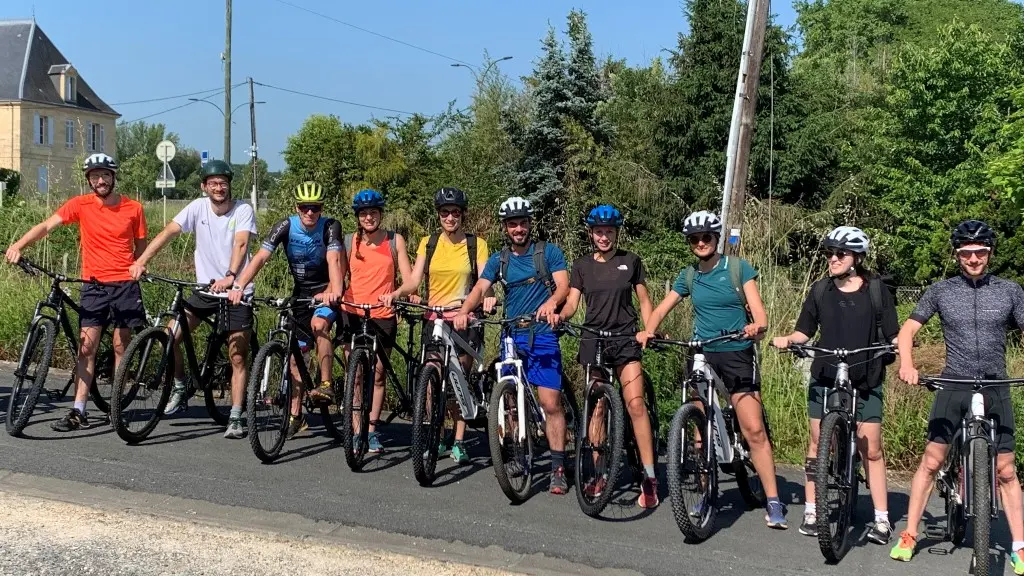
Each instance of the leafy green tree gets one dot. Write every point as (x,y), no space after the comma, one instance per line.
(323,150)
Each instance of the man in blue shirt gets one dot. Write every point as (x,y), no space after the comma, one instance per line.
(529,291)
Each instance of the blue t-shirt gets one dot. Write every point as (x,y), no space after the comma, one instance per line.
(525,297)
(716,305)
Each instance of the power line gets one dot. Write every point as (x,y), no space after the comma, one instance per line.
(178,107)
(377,34)
(166,97)
(333,99)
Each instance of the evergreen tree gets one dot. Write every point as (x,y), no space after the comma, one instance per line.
(584,80)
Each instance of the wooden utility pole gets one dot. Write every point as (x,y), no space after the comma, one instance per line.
(253,149)
(734,194)
(227,83)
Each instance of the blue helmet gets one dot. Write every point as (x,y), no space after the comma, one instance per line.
(605,215)
(367,198)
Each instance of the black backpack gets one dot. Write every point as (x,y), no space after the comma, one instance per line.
(875,285)
(474,274)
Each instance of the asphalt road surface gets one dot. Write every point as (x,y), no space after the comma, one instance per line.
(187,458)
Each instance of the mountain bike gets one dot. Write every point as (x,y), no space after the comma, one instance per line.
(605,430)
(516,423)
(360,375)
(693,465)
(836,480)
(967,480)
(269,393)
(37,352)
(154,347)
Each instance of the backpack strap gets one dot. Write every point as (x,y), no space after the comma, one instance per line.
(431,247)
(540,264)
(503,258)
(691,271)
(735,268)
(394,256)
(474,273)
(818,292)
(875,293)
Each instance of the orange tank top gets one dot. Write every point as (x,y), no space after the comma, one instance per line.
(370,277)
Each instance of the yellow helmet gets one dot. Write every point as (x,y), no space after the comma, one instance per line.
(309,192)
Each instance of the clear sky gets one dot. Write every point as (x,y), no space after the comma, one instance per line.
(130,50)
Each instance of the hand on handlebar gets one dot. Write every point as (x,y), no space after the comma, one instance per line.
(388,299)
(554,320)
(754,332)
(461,321)
(235,296)
(13,255)
(643,336)
(781,342)
(490,302)
(136,270)
(909,374)
(222,285)
(327,298)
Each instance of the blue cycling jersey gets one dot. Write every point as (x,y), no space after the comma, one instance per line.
(306,249)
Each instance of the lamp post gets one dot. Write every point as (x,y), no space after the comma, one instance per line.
(486,70)
(221,110)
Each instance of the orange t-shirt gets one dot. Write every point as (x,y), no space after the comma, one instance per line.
(107,235)
(370,278)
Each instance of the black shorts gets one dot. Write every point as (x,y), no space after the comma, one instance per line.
(118,305)
(474,336)
(385,328)
(950,406)
(617,352)
(239,317)
(869,403)
(738,369)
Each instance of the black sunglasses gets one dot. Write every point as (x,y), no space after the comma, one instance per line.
(310,208)
(695,239)
(837,253)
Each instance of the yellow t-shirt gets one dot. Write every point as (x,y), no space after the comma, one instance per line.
(449,269)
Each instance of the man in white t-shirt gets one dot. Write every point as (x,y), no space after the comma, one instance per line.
(222,227)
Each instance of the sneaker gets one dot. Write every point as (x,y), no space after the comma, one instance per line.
(809,527)
(648,493)
(177,401)
(558,483)
(1017,561)
(325,393)
(904,549)
(595,487)
(296,424)
(73,420)
(459,453)
(373,439)
(776,516)
(880,532)
(235,430)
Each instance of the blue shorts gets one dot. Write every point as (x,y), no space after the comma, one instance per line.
(304,318)
(542,361)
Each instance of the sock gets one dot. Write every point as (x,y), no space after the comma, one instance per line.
(1017,545)
(557,459)
(80,406)
(236,412)
(810,508)
(881,515)
(649,470)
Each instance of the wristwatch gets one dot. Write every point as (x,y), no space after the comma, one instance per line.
(231,273)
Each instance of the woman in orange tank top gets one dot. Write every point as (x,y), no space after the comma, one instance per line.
(372,273)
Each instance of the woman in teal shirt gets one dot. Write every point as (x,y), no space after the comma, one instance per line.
(717,307)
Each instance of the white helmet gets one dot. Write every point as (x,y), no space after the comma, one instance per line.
(847,238)
(515,207)
(97,161)
(702,221)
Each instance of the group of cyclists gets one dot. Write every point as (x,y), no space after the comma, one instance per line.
(846,309)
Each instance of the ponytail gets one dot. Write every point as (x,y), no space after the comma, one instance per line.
(359,240)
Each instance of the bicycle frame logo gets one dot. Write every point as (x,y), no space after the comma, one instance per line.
(707,394)
(443,334)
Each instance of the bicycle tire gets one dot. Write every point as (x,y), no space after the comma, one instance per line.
(104,371)
(747,479)
(831,468)
(355,454)
(142,345)
(498,437)
(44,333)
(982,503)
(257,400)
(426,438)
(593,505)
(687,415)
(956,517)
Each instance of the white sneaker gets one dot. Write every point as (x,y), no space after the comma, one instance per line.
(175,403)
(235,429)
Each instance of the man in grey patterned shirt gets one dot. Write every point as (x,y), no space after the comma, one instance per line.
(976,309)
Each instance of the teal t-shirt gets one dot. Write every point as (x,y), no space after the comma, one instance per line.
(716,305)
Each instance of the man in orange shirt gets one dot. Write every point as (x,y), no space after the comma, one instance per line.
(112,234)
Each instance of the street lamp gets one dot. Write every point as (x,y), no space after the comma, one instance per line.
(486,70)
(219,108)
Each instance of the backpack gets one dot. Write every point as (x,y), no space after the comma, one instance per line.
(875,284)
(474,274)
(391,242)
(539,264)
(733,266)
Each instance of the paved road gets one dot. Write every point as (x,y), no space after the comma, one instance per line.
(187,457)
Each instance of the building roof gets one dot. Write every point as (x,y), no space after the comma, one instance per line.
(29,59)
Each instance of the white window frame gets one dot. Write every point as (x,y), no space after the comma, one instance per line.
(69,133)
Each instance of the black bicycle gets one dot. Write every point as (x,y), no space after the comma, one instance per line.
(605,431)
(967,480)
(148,367)
(360,375)
(269,394)
(37,352)
(836,478)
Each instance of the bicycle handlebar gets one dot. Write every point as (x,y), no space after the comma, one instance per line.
(800,350)
(570,327)
(698,344)
(33,269)
(934,383)
(147,277)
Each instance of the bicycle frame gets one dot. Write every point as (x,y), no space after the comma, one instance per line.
(525,391)
(975,425)
(285,332)
(443,341)
(367,339)
(176,312)
(704,374)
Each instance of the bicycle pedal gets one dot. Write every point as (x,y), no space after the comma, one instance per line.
(935,532)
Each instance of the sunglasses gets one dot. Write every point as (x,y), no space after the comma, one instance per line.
(453,212)
(968,252)
(840,254)
(314,208)
(703,238)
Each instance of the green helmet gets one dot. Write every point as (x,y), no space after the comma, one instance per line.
(218,168)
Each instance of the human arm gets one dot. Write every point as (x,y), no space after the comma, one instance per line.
(657,316)
(547,309)
(640,287)
(476,295)
(35,234)
(138,268)
(239,247)
(806,323)
(250,272)
(140,232)
(926,307)
(755,330)
(490,300)
(410,281)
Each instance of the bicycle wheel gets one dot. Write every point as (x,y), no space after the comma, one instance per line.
(427,421)
(747,479)
(833,490)
(511,456)
(956,515)
(30,375)
(692,474)
(268,397)
(358,407)
(142,385)
(571,409)
(982,503)
(599,453)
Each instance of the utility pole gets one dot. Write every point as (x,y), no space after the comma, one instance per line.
(253,149)
(227,83)
(741,131)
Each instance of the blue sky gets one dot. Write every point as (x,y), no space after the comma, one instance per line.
(132,50)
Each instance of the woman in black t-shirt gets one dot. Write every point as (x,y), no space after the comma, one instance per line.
(607,280)
(842,310)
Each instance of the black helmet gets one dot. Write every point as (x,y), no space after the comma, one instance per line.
(451,197)
(217,168)
(972,232)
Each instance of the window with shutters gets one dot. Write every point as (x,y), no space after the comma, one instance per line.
(69,134)
(43,130)
(95,137)
(44,179)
